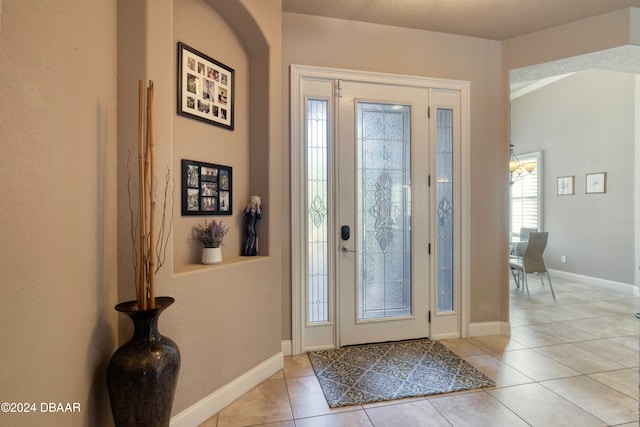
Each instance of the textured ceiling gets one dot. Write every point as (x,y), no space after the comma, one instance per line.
(489,19)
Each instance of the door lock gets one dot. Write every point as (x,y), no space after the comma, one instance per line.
(345,232)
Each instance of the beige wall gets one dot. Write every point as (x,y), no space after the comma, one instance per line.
(354,45)
(57,222)
(584,123)
(594,34)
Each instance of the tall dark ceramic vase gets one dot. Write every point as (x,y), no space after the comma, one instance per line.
(143,373)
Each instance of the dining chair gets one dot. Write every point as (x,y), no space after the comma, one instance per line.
(517,251)
(526,232)
(531,261)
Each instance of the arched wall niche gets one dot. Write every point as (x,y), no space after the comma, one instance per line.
(251,34)
(243,23)
(223,310)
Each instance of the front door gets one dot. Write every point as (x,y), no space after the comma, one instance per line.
(379,217)
(383,213)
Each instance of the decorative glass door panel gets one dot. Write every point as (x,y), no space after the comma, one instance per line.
(447,227)
(317,142)
(383,210)
(445,200)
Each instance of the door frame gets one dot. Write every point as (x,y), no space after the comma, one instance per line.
(298,262)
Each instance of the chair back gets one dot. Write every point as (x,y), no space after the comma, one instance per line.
(518,249)
(532,258)
(526,232)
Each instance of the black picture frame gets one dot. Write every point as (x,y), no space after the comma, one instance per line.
(206,88)
(206,188)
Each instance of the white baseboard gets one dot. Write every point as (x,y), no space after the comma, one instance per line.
(287,347)
(204,409)
(445,337)
(481,329)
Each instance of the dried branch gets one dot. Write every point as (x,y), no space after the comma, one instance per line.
(133,224)
(163,233)
(152,253)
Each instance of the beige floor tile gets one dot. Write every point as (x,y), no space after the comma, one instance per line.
(627,322)
(520,301)
(631,341)
(586,328)
(476,409)
(280,424)
(613,349)
(278,375)
(578,359)
(564,332)
(267,403)
(625,381)
(462,347)
(307,398)
(558,313)
(539,406)
(603,402)
(298,366)
(567,297)
(516,323)
(211,422)
(409,414)
(603,327)
(532,337)
(346,419)
(583,310)
(535,365)
(596,294)
(608,308)
(503,374)
(630,305)
(393,402)
(528,316)
(495,343)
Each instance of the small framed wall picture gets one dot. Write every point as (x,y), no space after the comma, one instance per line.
(596,183)
(205,88)
(565,185)
(206,188)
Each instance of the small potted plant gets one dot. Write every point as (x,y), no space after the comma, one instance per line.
(210,235)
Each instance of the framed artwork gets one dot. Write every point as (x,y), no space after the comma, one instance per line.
(565,185)
(206,188)
(205,88)
(596,183)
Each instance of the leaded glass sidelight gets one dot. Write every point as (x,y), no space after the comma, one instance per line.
(444,198)
(317,223)
(383,210)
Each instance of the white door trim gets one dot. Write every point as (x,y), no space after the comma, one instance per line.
(298,267)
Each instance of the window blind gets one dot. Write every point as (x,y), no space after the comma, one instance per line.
(525,198)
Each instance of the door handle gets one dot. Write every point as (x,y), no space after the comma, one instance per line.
(345,249)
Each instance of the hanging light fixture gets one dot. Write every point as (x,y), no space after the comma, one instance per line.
(518,169)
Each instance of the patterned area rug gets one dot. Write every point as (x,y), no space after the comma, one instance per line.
(376,372)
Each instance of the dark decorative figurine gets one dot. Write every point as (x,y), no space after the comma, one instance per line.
(252,213)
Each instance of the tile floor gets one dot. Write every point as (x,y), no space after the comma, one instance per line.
(572,362)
